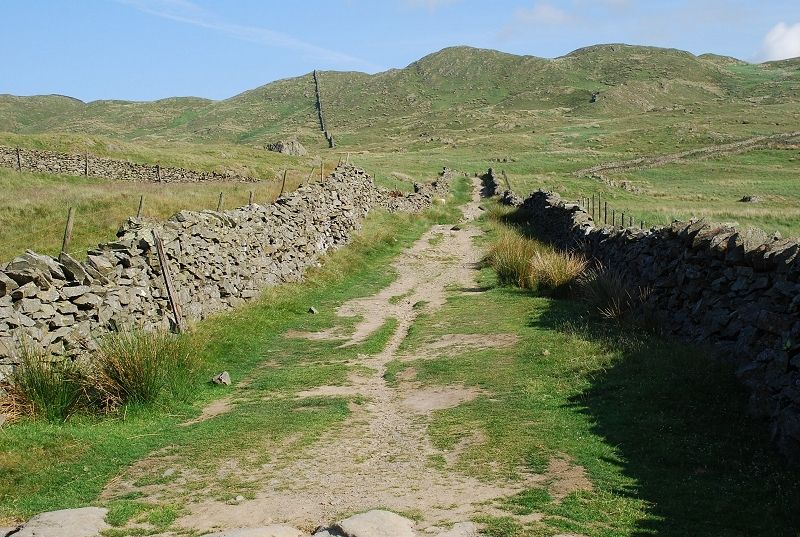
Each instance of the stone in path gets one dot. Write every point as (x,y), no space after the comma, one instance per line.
(276,530)
(376,523)
(462,529)
(84,522)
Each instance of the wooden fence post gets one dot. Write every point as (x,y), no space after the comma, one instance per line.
(221,201)
(250,199)
(141,206)
(283,185)
(180,326)
(605,217)
(622,222)
(322,170)
(311,174)
(613,218)
(158,172)
(68,230)
(19,161)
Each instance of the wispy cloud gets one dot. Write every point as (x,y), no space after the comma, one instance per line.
(781,42)
(186,12)
(430,5)
(541,14)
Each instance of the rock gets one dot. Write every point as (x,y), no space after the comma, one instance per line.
(73,269)
(750,199)
(290,147)
(4,531)
(462,529)
(84,522)
(274,530)
(376,523)
(455,228)
(312,310)
(546,352)
(223,379)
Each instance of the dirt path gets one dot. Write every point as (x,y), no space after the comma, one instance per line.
(381,455)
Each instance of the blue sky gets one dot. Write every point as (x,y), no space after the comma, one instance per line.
(150,49)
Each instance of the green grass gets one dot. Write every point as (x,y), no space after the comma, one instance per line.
(660,428)
(45,466)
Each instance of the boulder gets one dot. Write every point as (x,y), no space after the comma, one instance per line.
(84,522)
(274,530)
(290,147)
(376,523)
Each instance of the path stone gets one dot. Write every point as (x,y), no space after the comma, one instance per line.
(84,522)
(275,530)
(462,529)
(376,523)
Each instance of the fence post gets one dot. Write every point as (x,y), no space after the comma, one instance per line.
(158,172)
(613,218)
(322,170)
(173,301)
(283,185)
(605,218)
(592,206)
(221,201)
(19,161)
(622,221)
(141,206)
(86,164)
(250,199)
(68,230)
(311,174)
(641,224)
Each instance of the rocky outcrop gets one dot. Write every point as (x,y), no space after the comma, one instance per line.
(291,147)
(216,260)
(739,289)
(37,160)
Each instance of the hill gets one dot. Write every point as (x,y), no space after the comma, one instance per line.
(455,89)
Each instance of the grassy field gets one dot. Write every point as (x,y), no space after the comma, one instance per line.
(33,211)
(664,449)
(698,189)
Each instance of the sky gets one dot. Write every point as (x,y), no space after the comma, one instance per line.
(152,49)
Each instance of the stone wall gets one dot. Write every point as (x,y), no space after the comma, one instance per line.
(217,261)
(739,289)
(35,160)
(323,126)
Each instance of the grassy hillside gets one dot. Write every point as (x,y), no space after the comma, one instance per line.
(470,109)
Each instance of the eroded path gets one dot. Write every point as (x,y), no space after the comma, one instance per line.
(381,456)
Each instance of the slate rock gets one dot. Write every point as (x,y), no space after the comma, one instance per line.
(84,522)
(376,523)
(223,379)
(462,529)
(274,530)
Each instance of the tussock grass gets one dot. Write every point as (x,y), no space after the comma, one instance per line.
(143,367)
(510,256)
(44,387)
(530,264)
(608,293)
(555,271)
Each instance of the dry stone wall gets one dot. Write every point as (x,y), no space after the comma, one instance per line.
(217,261)
(35,160)
(739,289)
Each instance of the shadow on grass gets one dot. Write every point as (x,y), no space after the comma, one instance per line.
(678,419)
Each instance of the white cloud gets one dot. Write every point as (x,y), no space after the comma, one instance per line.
(430,5)
(781,42)
(542,13)
(186,12)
